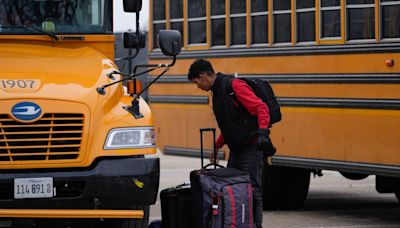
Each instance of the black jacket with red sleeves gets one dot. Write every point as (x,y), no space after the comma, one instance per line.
(238,123)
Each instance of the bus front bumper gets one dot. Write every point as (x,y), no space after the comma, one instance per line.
(57,213)
(111,184)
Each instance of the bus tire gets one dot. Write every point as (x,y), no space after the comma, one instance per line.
(272,186)
(135,223)
(397,194)
(354,176)
(295,188)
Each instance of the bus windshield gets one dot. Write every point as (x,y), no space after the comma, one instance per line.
(55,17)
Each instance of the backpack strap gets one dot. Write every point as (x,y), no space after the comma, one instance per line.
(232,93)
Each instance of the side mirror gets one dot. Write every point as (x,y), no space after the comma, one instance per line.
(134,41)
(170,42)
(132,6)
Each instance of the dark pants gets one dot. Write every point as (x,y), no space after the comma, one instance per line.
(251,161)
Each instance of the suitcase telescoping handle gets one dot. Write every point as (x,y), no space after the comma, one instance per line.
(202,149)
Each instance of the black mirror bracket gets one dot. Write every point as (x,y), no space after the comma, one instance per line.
(134,109)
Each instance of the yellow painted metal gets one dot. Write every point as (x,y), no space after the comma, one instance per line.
(293,34)
(303,64)
(67,74)
(377,14)
(343,134)
(185,25)
(343,21)
(102,43)
(57,213)
(151,27)
(317,22)
(167,14)
(270,24)
(248,23)
(208,24)
(227,23)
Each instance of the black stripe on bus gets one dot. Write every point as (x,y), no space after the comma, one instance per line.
(353,103)
(349,103)
(168,99)
(285,51)
(190,152)
(390,78)
(343,166)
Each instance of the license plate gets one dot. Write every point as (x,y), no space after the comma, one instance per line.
(33,188)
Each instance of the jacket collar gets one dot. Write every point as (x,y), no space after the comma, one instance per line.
(217,82)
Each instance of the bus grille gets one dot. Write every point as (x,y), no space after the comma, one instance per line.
(52,137)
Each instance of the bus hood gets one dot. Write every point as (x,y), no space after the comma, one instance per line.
(45,72)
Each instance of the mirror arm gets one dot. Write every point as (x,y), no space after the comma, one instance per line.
(155,65)
(165,71)
(134,109)
(101,91)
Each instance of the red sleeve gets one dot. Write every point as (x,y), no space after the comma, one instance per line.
(220,142)
(253,104)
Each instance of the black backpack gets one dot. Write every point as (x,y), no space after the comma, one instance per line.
(263,90)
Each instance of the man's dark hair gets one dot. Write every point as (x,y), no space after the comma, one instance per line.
(199,66)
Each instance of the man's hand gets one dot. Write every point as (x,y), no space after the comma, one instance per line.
(264,143)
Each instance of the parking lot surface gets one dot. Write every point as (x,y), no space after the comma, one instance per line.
(333,201)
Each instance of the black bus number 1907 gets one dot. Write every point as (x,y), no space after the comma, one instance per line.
(22,84)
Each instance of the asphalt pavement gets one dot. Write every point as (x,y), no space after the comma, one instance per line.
(333,201)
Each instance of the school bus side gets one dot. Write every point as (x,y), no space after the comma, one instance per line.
(339,90)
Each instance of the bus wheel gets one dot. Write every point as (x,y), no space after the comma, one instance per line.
(135,223)
(272,186)
(295,187)
(354,176)
(397,194)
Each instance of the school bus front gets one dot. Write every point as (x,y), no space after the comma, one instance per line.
(62,145)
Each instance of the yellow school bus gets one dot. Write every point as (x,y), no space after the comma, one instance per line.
(333,64)
(73,142)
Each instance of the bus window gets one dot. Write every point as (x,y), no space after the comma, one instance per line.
(60,17)
(360,19)
(218,23)
(238,22)
(259,22)
(282,21)
(176,15)
(390,17)
(330,19)
(158,19)
(196,22)
(305,16)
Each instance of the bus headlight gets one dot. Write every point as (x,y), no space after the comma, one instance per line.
(135,137)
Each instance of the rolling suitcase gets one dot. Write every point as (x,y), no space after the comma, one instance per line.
(222,197)
(176,207)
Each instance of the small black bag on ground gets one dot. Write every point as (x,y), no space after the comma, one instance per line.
(221,197)
(176,207)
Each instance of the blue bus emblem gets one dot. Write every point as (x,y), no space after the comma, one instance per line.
(26,111)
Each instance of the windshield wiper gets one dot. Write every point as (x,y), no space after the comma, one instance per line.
(50,34)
